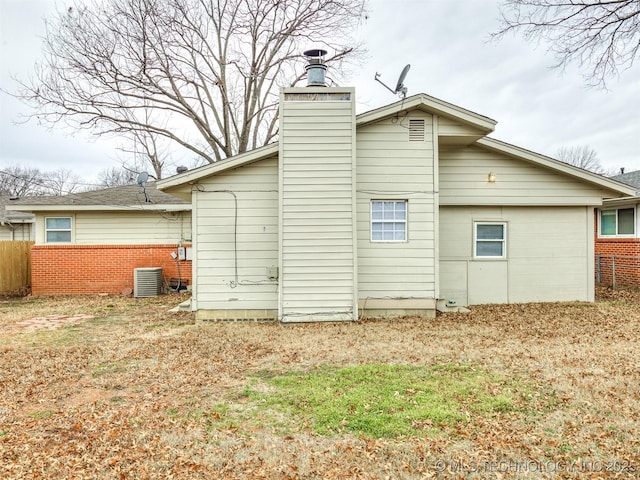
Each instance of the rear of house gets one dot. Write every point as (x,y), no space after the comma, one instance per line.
(92,242)
(386,213)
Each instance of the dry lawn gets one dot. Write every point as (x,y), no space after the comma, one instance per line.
(119,388)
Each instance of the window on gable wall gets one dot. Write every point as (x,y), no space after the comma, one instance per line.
(490,240)
(618,222)
(57,229)
(388,220)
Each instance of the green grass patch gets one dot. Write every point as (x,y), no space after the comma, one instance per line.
(42,414)
(386,401)
(108,368)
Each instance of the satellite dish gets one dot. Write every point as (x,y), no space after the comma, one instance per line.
(142,178)
(400,85)
(142,181)
(400,88)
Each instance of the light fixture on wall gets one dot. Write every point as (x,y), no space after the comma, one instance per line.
(491,178)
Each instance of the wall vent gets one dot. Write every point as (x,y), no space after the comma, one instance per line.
(147,282)
(416,130)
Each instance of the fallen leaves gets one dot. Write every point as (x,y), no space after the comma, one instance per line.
(136,392)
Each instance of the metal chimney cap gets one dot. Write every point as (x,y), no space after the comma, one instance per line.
(315,67)
(315,52)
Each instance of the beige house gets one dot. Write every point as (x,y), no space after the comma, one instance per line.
(394,211)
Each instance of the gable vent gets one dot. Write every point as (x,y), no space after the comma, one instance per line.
(416,130)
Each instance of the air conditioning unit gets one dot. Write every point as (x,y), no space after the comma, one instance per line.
(147,282)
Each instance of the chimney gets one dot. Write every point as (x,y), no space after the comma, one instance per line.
(316,67)
(316,170)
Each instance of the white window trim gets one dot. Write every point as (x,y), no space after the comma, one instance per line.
(47,230)
(475,240)
(372,221)
(617,235)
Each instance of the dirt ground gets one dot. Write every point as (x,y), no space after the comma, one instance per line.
(118,388)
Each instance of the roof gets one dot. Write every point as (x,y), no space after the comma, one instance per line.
(425,102)
(116,198)
(196,174)
(13,216)
(429,104)
(420,101)
(631,178)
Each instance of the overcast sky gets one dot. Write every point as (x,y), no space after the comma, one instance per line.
(447,44)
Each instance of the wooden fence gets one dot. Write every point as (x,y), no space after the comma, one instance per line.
(15,266)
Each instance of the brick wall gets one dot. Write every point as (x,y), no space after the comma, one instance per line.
(623,254)
(89,269)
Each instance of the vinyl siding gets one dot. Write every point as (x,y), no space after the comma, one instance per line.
(20,231)
(251,244)
(123,227)
(463,181)
(452,127)
(317,262)
(390,167)
(549,255)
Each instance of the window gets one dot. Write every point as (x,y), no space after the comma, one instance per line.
(620,222)
(388,220)
(57,229)
(490,240)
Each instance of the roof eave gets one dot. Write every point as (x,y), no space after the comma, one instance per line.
(619,202)
(430,104)
(102,208)
(193,176)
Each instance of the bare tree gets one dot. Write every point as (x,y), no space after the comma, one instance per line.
(20,181)
(602,36)
(60,182)
(116,177)
(146,149)
(204,74)
(582,157)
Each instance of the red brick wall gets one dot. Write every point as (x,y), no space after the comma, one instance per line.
(624,252)
(88,269)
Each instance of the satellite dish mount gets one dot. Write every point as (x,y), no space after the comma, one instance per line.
(142,181)
(400,89)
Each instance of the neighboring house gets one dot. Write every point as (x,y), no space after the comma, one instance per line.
(386,213)
(630,178)
(91,242)
(15,225)
(618,237)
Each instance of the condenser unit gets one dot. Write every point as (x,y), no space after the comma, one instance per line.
(147,282)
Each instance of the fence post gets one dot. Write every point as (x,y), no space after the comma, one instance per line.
(613,271)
